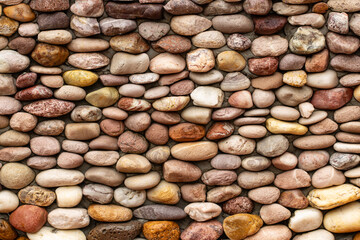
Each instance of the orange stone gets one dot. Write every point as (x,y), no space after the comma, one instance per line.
(49,55)
(161,230)
(242,225)
(186,132)
(320,7)
(317,62)
(21,12)
(357,236)
(6,231)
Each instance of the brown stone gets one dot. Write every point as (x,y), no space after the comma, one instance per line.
(326,126)
(320,7)
(172,44)
(331,99)
(134,10)
(119,231)
(168,118)
(131,43)
(57,20)
(338,43)
(257,7)
(28,218)
(263,66)
(220,130)
(193,192)
(6,231)
(49,55)
(269,24)
(8,26)
(36,196)
(49,5)
(318,62)
(238,205)
(34,93)
(268,82)
(22,45)
(238,42)
(293,199)
(186,132)
(21,12)
(49,108)
(130,142)
(346,63)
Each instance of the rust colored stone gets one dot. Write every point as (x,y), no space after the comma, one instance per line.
(318,62)
(263,66)
(172,44)
(49,108)
(26,80)
(270,24)
(186,132)
(320,7)
(293,199)
(49,55)
(220,130)
(331,99)
(34,93)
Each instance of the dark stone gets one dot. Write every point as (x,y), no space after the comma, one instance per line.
(22,45)
(118,231)
(134,10)
(270,24)
(58,20)
(263,66)
(238,205)
(160,212)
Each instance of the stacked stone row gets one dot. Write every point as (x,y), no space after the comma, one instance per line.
(180,119)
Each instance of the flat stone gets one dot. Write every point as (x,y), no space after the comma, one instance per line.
(49,6)
(189,25)
(236,23)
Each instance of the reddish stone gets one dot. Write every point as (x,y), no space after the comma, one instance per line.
(241,99)
(167,118)
(346,63)
(263,66)
(109,80)
(210,230)
(28,218)
(293,199)
(225,114)
(320,7)
(238,205)
(331,99)
(184,87)
(269,24)
(49,108)
(157,134)
(133,104)
(172,44)
(26,80)
(112,127)
(220,130)
(34,93)
(172,78)
(22,45)
(186,132)
(317,62)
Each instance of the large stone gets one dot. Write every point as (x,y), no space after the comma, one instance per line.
(346,63)
(233,24)
(49,108)
(113,27)
(182,7)
(307,40)
(49,6)
(189,25)
(194,151)
(344,5)
(121,231)
(273,146)
(12,61)
(56,234)
(49,55)
(93,8)
(8,26)
(273,46)
(134,10)
(342,44)
(331,99)
(242,225)
(124,63)
(344,219)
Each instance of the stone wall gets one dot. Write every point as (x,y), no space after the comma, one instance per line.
(191,119)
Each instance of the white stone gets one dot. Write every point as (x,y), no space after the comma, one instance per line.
(207,97)
(202,211)
(69,218)
(306,109)
(324,80)
(47,233)
(68,196)
(305,220)
(315,235)
(129,198)
(8,201)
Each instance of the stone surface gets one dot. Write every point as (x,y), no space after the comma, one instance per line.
(242,225)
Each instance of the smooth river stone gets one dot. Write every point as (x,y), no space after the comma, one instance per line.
(189,25)
(124,63)
(344,219)
(205,96)
(12,61)
(346,63)
(272,46)
(93,8)
(159,212)
(167,63)
(267,25)
(49,108)
(293,96)
(16,175)
(305,220)
(342,44)
(313,19)
(282,8)
(34,93)
(210,230)
(113,27)
(236,23)
(88,60)
(69,218)
(153,31)
(237,145)
(314,142)
(332,197)
(316,234)
(272,146)
(324,80)
(209,39)
(88,45)
(194,151)
(293,179)
(344,5)
(171,103)
(186,132)
(36,196)
(14,154)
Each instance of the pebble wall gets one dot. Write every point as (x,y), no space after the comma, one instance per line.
(179,119)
